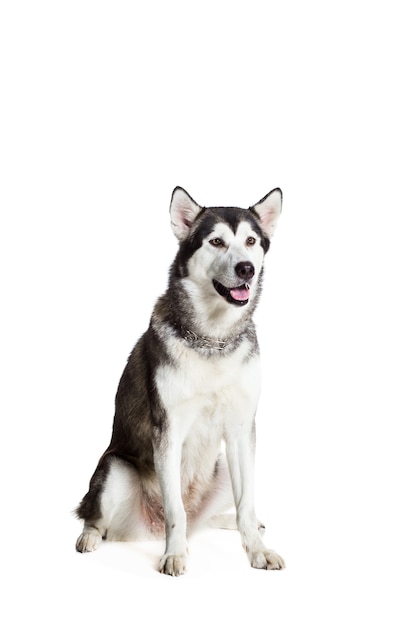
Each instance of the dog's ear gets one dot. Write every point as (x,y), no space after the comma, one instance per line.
(183,212)
(268,211)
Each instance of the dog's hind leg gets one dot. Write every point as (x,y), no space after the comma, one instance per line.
(227,521)
(220,500)
(110,508)
(89,509)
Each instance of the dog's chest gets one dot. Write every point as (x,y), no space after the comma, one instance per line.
(212,390)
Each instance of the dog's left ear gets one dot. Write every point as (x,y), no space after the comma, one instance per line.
(268,211)
(183,212)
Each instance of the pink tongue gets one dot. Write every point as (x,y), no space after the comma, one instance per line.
(240,293)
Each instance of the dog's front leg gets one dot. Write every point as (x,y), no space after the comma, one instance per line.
(167,456)
(240,448)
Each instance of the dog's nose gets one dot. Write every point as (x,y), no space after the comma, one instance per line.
(245,270)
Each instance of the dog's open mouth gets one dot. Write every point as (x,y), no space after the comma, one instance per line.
(235,295)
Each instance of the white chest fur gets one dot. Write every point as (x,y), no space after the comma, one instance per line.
(207,399)
(196,387)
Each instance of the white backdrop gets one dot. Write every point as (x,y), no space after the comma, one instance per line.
(105,107)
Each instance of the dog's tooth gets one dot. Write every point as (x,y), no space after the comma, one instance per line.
(247,286)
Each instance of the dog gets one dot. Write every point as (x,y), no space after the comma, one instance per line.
(183,441)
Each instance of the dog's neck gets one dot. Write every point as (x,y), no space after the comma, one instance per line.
(189,319)
(207,343)
(208,334)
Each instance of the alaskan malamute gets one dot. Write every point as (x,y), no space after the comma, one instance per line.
(191,383)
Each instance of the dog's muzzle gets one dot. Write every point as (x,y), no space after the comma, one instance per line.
(237,295)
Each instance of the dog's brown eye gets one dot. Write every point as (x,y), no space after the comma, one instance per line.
(216,242)
(250,241)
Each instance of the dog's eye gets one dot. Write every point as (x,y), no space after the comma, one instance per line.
(216,242)
(250,241)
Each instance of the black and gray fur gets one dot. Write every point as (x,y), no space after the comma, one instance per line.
(142,431)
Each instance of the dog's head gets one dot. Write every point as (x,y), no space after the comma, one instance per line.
(222,248)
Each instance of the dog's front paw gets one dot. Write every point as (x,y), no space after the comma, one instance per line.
(173,564)
(266,559)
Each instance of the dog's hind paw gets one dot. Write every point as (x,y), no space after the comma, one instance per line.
(267,559)
(89,540)
(173,564)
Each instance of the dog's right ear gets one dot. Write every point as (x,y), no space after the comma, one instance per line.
(183,212)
